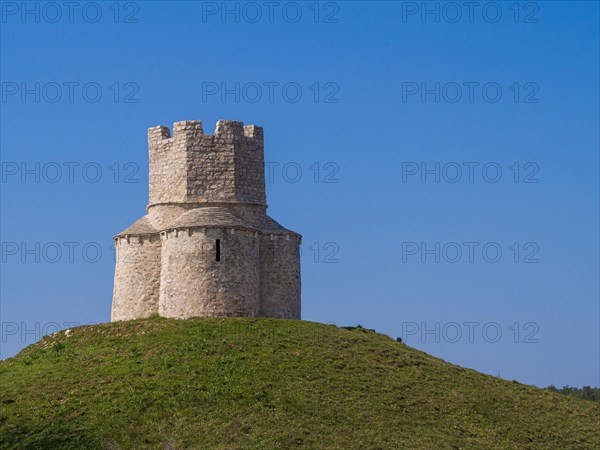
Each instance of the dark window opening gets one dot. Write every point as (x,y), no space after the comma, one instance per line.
(218,249)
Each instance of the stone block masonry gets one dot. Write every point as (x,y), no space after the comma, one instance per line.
(206,247)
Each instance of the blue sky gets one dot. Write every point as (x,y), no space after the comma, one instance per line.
(441,165)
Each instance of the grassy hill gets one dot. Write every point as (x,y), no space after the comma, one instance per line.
(266,383)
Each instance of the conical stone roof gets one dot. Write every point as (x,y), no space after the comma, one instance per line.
(213,217)
(140,227)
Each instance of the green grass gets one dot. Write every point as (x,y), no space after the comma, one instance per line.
(265,384)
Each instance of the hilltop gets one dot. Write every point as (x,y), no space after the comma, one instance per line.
(243,383)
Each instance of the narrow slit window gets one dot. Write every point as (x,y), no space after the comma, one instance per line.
(218,250)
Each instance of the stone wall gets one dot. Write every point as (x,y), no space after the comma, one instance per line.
(137,277)
(167,167)
(193,283)
(280,276)
(250,167)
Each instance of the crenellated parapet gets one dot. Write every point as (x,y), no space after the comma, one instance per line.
(192,167)
(158,134)
(191,131)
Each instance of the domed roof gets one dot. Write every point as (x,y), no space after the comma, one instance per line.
(140,227)
(211,216)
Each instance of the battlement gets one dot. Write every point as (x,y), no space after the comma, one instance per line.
(253,132)
(158,134)
(192,129)
(188,166)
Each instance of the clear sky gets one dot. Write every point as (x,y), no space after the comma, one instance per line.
(441,163)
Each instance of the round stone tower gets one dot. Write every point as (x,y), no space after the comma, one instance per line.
(207,246)
(137,272)
(210,266)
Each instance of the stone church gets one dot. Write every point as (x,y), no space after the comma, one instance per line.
(206,246)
